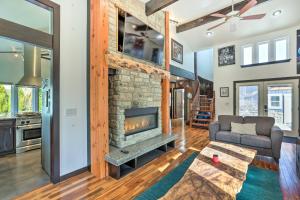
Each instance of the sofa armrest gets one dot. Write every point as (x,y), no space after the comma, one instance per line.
(276,138)
(213,129)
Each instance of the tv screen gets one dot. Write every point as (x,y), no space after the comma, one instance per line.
(140,41)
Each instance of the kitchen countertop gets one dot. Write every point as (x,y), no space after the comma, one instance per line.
(7,117)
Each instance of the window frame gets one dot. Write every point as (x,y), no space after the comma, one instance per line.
(35,98)
(14,98)
(271,52)
(257,51)
(270,106)
(286,38)
(11,96)
(242,53)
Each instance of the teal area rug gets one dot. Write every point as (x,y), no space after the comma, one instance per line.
(260,183)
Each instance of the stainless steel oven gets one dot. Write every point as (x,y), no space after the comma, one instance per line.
(28,134)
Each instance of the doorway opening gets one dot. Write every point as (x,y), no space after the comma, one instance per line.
(29,95)
(274,98)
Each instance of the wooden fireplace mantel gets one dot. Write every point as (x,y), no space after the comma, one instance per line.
(119,61)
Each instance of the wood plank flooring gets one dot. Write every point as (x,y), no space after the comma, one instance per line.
(86,186)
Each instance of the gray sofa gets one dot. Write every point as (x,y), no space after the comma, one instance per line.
(267,141)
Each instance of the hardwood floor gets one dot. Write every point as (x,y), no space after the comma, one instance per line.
(21,173)
(86,186)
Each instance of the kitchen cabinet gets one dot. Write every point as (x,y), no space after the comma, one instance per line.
(7,136)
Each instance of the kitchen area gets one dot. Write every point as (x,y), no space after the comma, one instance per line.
(25,117)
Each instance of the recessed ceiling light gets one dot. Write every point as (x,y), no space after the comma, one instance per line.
(209,33)
(277,13)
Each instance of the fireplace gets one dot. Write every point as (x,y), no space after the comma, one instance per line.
(140,119)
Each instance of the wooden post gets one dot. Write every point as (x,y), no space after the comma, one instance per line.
(99,87)
(165,110)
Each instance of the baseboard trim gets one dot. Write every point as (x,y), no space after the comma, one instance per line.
(75,173)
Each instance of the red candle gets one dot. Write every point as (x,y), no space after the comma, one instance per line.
(215,158)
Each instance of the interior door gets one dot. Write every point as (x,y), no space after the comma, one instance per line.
(278,99)
(179,103)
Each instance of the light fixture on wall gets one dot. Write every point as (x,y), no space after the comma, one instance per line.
(209,33)
(277,13)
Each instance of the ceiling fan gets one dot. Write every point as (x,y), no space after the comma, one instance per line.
(237,14)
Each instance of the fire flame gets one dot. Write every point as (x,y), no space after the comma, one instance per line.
(133,125)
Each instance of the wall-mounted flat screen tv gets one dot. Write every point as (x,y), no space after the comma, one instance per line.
(138,40)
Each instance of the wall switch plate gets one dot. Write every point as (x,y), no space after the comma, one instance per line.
(71,112)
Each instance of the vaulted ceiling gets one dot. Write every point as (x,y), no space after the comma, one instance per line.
(187,10)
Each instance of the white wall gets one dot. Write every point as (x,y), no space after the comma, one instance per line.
(73,93)
(224,76)
(205,63)
(188,53)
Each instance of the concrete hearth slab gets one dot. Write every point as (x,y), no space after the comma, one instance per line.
(117,156)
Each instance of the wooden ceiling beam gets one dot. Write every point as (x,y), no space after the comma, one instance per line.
(155,5)
(208,18)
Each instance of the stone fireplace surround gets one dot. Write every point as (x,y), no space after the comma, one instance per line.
(132,89)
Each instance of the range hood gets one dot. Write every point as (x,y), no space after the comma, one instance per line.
(32,67)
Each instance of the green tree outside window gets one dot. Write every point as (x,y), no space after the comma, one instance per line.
(5,95)
(24,99)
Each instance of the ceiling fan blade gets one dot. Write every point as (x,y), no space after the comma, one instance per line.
(248,6)
(218,15)
(211,28)
(253,17)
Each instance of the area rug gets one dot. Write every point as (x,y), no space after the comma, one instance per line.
(260,183)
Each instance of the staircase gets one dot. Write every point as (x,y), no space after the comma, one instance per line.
(202,110)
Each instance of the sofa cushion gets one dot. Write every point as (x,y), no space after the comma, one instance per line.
(228,136)
(263,124)
(256,141)
(248,129)
(225,121)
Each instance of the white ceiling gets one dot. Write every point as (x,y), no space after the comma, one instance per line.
(187,10)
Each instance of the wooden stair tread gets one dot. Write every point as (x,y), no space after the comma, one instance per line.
(204,115)
(203,120)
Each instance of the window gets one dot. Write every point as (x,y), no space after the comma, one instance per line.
(5,99)
(275,102)
(248,100)
(247,55)
(263,52)
(25,101)
(281,49)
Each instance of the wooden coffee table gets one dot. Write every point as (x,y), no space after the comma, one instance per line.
(207,180)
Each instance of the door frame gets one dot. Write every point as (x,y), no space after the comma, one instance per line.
(51,41)
(266,80)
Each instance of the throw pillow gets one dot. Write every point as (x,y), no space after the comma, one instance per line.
(247,129)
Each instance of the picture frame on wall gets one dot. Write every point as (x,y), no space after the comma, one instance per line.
(226,56)
(224,92)
(176,51)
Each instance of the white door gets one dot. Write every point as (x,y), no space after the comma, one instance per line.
(278,99)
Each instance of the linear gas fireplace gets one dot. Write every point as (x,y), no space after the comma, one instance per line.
(140,119)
